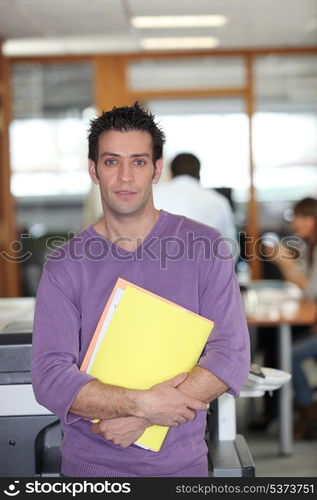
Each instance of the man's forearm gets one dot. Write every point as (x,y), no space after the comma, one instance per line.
(98,400)
(203,385)
(90,403)
(162,404)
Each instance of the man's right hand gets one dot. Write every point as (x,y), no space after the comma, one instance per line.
(164,404)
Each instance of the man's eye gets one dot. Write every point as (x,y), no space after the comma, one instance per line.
(139,163)
(110,162)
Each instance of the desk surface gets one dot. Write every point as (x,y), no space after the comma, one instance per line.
(276,304)
(16,320)
(304,312)
(16,309)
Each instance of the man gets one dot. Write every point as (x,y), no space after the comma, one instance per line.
(125,159)
(183,195)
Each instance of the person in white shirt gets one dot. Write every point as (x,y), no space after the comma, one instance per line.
(92,207)
(184,195)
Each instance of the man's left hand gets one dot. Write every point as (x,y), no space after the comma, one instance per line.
(121,431)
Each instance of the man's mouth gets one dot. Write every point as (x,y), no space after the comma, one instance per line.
(123,193)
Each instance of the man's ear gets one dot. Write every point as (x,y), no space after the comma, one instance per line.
(93,171)
(157,171)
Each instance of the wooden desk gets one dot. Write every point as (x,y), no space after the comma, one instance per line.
(300,312)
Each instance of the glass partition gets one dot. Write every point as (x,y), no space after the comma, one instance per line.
(285,127)
(186,73)
(216,131)
(51,107)
(285,135)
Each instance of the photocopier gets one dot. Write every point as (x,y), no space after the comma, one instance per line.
(29,433)
(30,436)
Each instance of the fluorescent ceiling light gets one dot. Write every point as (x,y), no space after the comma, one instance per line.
(197,42)
(23,47)
(177,21)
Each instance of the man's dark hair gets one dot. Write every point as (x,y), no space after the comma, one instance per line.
(125,119)
(185,164)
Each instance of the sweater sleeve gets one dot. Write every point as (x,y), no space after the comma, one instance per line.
(56,376)
(227,352)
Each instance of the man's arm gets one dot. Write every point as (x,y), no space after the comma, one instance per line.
(226,357)
(162,404)
(200,384)
(203,385)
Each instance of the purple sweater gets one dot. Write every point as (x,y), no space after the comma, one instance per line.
(180,260)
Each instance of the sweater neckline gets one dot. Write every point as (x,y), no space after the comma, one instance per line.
(155,231)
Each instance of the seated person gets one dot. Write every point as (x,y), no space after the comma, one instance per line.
(303,272)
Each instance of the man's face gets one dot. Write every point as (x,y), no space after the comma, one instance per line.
(126,171)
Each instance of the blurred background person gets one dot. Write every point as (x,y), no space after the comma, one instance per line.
(303,272)
(92,207)
(184,195)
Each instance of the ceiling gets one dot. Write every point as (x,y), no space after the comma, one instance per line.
(35,27)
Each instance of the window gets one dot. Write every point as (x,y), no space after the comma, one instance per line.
(285,127)
(48,134)
(216,131)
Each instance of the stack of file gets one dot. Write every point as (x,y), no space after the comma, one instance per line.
(141,340)
(262,379)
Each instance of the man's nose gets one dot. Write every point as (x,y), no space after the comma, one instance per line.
(126,173)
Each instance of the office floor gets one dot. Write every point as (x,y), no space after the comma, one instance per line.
(264,448)
(302,463)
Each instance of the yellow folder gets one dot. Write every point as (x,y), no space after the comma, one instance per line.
(143,339)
